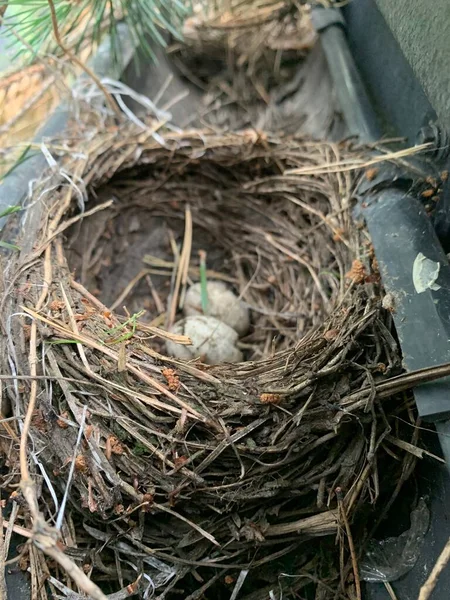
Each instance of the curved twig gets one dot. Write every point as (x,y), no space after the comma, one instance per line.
(78,62)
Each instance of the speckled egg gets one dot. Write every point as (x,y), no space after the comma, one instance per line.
(213,342)
(223,304)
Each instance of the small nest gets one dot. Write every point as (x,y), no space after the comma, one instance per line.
(188,480)
(259,66)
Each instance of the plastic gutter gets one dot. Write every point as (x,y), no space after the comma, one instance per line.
(350,91)
(404,241)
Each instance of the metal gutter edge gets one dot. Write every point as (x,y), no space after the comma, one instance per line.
(350,90)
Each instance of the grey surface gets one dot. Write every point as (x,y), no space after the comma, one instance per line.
(349,88)
(434,486)
(147,77)
(422,29)
(17,584)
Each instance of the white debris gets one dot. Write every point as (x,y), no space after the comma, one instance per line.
(425,274)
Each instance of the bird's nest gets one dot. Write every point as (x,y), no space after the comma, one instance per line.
(262,478)
(259,65)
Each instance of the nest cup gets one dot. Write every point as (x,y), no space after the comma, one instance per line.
(283,250)
(201,477)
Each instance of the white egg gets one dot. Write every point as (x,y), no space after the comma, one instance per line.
(222,304)
(212,341)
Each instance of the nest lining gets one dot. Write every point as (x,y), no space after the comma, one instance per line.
(284,252)
(193,474)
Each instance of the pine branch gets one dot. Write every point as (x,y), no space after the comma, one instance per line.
(84,23)
(76,60)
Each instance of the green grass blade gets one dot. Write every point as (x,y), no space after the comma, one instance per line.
(8,246)
(10,210)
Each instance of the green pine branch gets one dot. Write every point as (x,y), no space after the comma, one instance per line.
(30,21)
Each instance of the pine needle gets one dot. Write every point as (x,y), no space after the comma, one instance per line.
(84,23)
(183,270)
(203,281)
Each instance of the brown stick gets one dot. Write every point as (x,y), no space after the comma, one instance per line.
(390,590)
(183,268)
(3,592)
(8,427)
(78,62)
(351,545)
(19,530)
(427,589)
(408,380)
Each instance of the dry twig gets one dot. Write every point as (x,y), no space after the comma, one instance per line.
(427,589)
(3,557)
(71,56)
(351,545)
